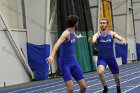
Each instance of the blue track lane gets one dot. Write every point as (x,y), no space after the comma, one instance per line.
(130,83)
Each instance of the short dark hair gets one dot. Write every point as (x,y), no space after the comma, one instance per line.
(72,20)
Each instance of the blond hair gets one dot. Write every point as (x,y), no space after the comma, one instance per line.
(104,19)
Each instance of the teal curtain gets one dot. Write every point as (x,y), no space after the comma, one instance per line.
(84,53)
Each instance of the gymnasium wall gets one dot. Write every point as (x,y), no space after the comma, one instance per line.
(12,70)
(39,28)
(136,12)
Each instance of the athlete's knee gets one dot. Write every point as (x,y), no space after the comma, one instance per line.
(70,89)
(117,77)
(70,86)
(101,72)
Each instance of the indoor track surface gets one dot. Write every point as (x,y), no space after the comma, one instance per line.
(130,83)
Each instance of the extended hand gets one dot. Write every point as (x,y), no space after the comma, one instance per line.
(50,60)
(123,42)
(80,36)
(90,40)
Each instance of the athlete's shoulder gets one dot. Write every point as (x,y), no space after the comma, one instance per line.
(112,32)
(66,32)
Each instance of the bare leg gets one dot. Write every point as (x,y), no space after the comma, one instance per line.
(82,85)
(70,87)
(117,80)
(102,77)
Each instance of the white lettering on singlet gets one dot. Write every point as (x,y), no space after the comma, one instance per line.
(73,40)
(107,40)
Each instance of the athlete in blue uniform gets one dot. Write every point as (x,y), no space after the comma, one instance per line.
(104,39)
(68,64)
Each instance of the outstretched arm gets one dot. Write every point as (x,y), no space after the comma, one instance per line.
(78,36)
(121,39)
(94,39)
(63,37)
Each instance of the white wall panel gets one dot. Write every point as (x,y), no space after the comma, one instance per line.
(35,20)
(11,70)
(94,15)
(93,2)
(119,7)
(136,12)
(120,25)
(137,31)
(9,10)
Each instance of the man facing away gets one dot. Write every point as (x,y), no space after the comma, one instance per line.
(104,39)
(67,62)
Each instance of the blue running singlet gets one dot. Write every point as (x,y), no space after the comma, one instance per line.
(68,64)
(106,52)
(67,49)
(105,45)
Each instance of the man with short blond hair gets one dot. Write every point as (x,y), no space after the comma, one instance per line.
(105,39)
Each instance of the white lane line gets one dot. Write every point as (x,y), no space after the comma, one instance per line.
(121,83)
(89,81)
(131,88)
(74,81)
(77,84)
(112,80)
